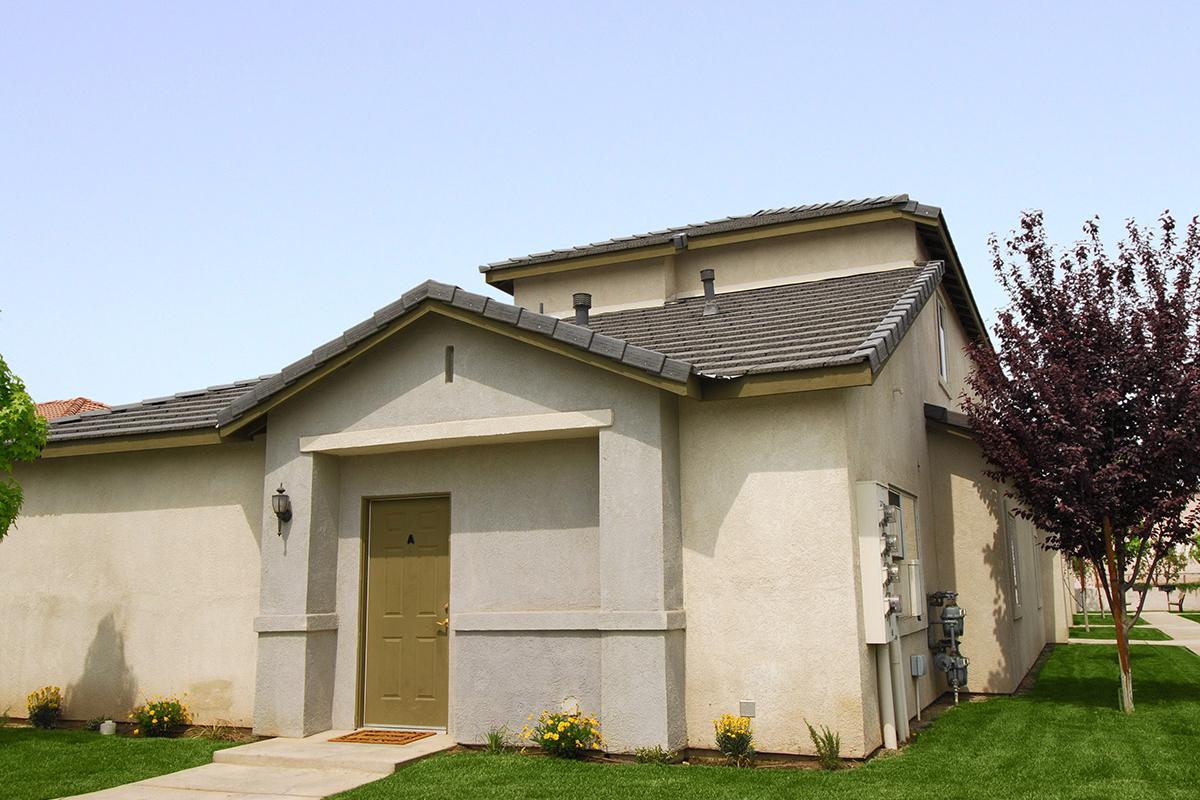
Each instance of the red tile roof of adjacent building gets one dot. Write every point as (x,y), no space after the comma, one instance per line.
(53,409)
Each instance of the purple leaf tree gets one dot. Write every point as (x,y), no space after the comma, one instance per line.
(1089,407)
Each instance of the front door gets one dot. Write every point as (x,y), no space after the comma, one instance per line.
(406,670)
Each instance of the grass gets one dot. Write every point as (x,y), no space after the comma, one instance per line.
(1109,632)
(38,765)
(1065,740)
(1194,616)
(1101,619)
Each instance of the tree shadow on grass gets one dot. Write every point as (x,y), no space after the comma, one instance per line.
(1087,676)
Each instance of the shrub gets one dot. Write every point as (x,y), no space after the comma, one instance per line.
(45,707)
(94,723)
(828,744)
(221,731)
(159,717)
(496,739)
(655,755)
(562,734)
(735,739)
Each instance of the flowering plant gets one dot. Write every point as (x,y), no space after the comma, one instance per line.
(159,717)
(45,706)
(563,734)
(735,739)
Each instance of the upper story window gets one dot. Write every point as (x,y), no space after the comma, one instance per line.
(943,367)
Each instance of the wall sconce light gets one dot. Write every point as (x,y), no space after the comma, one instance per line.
(281,504)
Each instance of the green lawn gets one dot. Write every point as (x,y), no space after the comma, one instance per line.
(1109,632)
(1101,619)
(1065,740)
(1194,616)
(38,765)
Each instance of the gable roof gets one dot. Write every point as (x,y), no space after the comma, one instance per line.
(53,409)
(758,219)
(179,412)
(833,323)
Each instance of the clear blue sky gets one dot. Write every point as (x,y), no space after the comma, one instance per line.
(196,193)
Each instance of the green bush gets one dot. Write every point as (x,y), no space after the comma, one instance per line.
(496,739)
(828,744)
(655,755)
(566,735)
(45,707)
(735,739)
(159,717)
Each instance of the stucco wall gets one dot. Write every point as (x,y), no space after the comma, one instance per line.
(766,262)
(135,573)
(559,549)
(769,570)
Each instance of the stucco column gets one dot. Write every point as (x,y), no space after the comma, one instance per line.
(642,676)
(297,626)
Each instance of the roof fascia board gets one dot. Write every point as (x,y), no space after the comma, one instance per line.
(501,275)
(125,444)
(809,380)
(435,307)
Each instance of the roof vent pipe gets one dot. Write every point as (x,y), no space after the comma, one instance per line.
(582,302)
(708,278)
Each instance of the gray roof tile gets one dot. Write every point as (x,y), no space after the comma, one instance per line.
(767,216)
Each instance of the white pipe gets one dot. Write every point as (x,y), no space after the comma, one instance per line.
(887,708)
(900,695)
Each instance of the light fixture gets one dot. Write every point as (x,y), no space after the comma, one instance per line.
(281,504)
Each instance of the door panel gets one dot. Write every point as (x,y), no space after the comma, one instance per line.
(406,671)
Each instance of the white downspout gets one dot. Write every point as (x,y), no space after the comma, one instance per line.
(898,682)
(887,707)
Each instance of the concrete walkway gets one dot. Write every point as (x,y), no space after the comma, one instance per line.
(280,769)
(1183,632)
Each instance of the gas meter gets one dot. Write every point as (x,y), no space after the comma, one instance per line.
(947,657)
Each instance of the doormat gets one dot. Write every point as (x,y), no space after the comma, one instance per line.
(377,736)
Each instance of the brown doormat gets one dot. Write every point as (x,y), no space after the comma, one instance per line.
(378,736)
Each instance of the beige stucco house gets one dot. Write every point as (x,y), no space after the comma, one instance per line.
(648,489)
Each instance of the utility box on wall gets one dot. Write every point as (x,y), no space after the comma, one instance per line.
(878,545)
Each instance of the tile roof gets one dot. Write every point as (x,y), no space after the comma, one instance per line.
(820,323)
(832,322)
(179,412)
(53,409)
(581,338)
(764,217)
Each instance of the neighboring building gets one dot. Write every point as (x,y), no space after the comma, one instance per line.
(652,508)
(53,409)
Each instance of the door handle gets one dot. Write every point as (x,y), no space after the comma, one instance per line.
(443,625)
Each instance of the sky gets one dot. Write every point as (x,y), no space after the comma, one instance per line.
(195,193)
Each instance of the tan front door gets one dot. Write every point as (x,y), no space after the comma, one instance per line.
(406,674)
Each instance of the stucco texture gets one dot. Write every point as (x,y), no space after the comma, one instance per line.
(551,541)
(133,574)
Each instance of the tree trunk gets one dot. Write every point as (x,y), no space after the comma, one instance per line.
(1087,626)
(1116,603)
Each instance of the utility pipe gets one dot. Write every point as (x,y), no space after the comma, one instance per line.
(887,708)
(899,694)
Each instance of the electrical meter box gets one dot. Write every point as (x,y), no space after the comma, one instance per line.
(878,552)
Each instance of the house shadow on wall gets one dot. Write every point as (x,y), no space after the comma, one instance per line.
(106,685)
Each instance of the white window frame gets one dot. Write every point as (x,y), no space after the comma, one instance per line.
(943,362)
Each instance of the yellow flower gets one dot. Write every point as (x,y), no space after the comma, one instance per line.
(135,731)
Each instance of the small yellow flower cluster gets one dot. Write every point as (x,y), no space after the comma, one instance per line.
(159,716)
(735,738)
(45,706)
(568,735)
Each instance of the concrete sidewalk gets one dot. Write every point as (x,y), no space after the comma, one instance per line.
(1183,632)
(280,769)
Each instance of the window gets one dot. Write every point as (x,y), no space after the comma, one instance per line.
(943,367)
(912,590)
(1012,539)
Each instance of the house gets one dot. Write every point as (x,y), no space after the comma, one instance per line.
(657,487)
(53,409)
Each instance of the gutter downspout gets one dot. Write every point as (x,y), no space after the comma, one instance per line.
(887,707)
(898,680)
